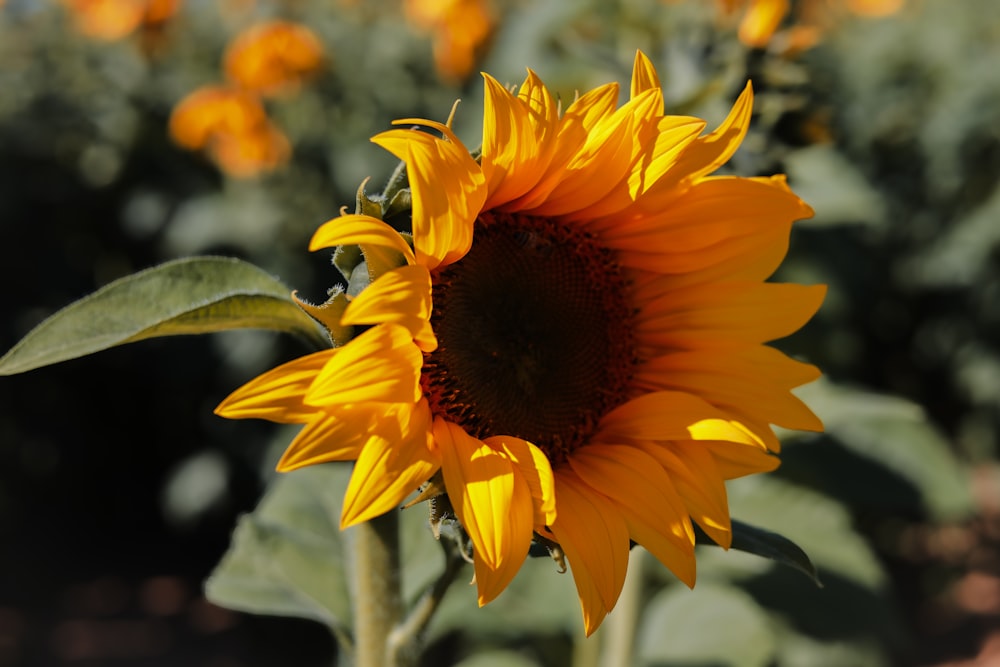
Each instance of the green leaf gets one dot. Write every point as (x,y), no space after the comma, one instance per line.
(540,600)
(498,658)
(767,544)
(821,525)
(286,557)
(797,649)
(186,296)
(709,625)
(896,434)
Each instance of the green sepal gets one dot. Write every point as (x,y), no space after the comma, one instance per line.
(766,544)
(186,296)
(328,315)
(397,182)
(346,258)
(365,205)
(401,202)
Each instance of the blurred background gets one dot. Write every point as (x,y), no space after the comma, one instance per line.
(137,131)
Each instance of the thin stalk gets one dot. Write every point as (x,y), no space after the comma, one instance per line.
(406,640)
(378,605)
(619,627)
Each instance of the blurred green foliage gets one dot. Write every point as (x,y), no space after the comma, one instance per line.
(890,128)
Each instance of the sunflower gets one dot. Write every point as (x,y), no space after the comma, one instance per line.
(572,337)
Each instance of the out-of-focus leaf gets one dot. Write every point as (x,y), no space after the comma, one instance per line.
(962,255)
(820,525)
(854,604)
(498,659)
(540,600)
(825,464)
(286,557)
(796,649)
(186,296)
(895,433)
(709,625)
(834,187)
(767,544)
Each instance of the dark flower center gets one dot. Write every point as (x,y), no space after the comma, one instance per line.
(534,332)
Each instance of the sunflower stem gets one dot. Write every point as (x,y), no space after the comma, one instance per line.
(377,590)
(407,638)
(619,628)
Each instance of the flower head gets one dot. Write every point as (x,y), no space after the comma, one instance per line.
(233,127)
(110,20)
(762,19)
(460,31)
(273,57)
(572,335)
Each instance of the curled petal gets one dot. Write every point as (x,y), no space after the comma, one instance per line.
(710,152)
(359,229)
(442,216)
(484,487)
(537,472)
(491,582)
(644,76)
(518,138)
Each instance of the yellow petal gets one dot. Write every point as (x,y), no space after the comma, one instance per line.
(699,484)
(491,582)
(671,137)
(484,488)
(658,145)
(279,394)
(644,75)
(671,415)
(726,313)
(761,20)
(382,364)
(756,379)
(738,459)
(395,460)
(604,160)
(537,472)
(593,534)
(359,229)
(328,437)
(574,128)
(448,190)
(710,152)
(655,515)
(401,296)
(710,212)
(518,137)
(593,607)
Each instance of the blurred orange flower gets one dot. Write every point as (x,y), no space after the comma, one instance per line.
(232,127)
(460,30)
(273,58)
(761,19)
(875,8)
(114,19)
